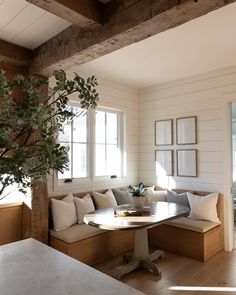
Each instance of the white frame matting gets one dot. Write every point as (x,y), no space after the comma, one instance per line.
(186,162)
(164,132)
(164,162)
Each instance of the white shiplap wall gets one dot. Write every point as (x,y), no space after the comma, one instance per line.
(124,99)
(205,96)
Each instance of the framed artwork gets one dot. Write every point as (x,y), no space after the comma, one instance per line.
(186,130)
(164,132)
(164,162)
(186,163)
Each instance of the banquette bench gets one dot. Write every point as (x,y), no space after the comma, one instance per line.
(198,240)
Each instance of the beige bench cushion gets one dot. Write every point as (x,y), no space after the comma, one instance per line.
(192,224)
(76,233)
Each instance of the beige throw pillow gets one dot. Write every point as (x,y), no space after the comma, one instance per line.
(83,206)
(63,212)
(106,200)
(203,208)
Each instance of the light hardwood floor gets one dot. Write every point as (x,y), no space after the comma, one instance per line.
(219,271)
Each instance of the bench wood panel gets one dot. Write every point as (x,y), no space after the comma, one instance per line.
(97,248)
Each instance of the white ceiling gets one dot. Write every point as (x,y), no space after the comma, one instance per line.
(26,25)
(204,44)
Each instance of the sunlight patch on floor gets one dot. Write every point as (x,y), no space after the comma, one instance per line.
(203,289)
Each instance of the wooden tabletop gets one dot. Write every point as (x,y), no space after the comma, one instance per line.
(30,267)
(159,213)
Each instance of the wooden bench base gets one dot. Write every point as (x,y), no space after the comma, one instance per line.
(199,246)
(98,248)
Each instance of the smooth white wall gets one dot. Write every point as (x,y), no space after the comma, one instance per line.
(125,99)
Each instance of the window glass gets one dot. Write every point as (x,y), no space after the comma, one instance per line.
(108,158)
(100,127)
(76,138)
(111,128)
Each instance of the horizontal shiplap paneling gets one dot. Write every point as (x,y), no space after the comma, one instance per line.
(204,96)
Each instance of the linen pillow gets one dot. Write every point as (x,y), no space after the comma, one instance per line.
(122,197)
(83,206)
(203,208)
(106,200)
(181,199)
(155,196)
(63,212)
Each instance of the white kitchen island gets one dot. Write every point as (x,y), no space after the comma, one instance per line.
(29,267)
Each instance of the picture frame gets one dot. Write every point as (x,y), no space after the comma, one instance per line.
(164,132)
(164,162)
(186,130)
(186,161)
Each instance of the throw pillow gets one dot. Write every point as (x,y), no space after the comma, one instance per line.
(106,200)
(122,197)
(156,196)
(204,208)
(150,187)
(181,199)
(63,212)
(83,206)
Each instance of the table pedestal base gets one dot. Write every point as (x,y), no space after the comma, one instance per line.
(141,256)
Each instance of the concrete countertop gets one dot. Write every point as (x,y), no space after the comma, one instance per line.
(29,267)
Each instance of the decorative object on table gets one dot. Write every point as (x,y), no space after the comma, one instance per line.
(164,162)
(138,194)
(186,130)
(128,210)
(29,149)
(187,163)
(164,132)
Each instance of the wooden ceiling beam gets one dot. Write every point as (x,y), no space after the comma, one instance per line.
(78,12)
(14,54)
(128,22)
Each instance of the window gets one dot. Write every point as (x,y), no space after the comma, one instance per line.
(107,144)
(75,137)
(98,144)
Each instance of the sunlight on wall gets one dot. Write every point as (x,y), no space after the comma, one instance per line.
(162,179)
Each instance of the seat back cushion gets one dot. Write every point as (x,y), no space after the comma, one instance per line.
(106,200)
(203,208)
(83,206)
(63,212)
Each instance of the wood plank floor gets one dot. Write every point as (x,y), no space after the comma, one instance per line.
(219,271)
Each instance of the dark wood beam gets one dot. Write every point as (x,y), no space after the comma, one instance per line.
(128,22)
(14,54)
(79,12)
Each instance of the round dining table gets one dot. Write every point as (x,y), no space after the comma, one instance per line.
(153,214)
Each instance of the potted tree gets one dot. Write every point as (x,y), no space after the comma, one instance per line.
(29,150)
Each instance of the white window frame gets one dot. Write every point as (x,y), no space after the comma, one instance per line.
(120,133)
(59,184)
